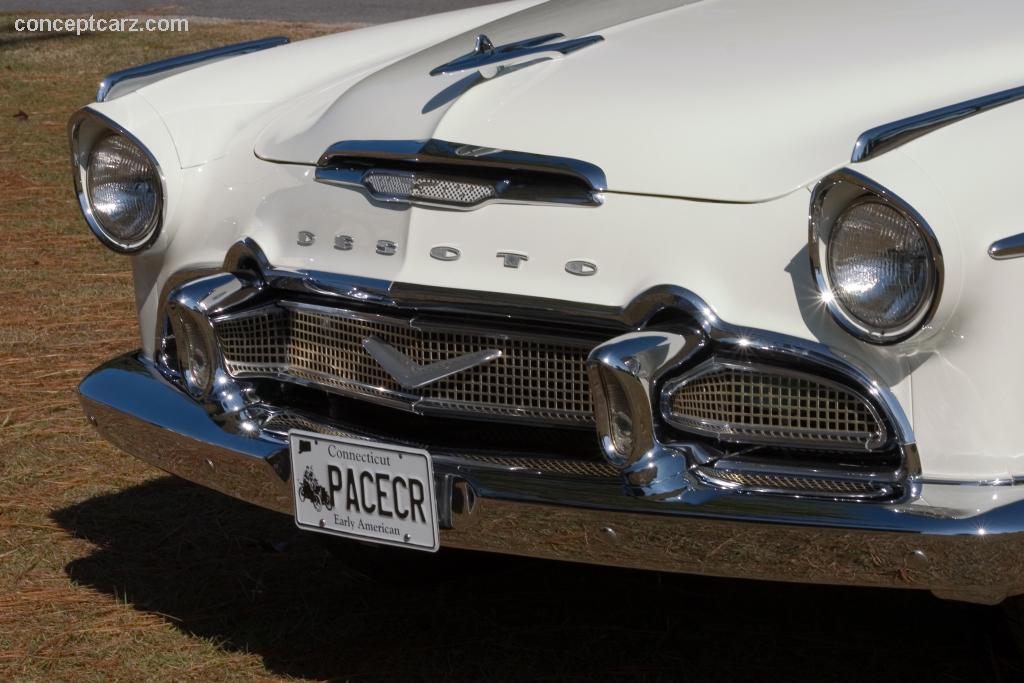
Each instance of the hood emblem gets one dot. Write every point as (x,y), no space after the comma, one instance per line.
(492,60)
(411,375)
(483,46)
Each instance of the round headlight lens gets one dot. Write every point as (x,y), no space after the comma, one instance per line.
(881,268)
(123,188)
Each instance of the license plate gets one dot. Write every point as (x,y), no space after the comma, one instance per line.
(364,490)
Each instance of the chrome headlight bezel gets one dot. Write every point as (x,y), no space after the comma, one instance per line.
(86,129)
(834,195)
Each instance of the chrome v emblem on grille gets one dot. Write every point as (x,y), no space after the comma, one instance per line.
(412,375)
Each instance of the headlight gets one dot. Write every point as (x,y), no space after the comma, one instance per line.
(119,184)
(878,266)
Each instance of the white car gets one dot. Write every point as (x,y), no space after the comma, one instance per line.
(711,286)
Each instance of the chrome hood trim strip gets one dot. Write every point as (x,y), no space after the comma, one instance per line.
(1007,248)
(887,137)
(128,80)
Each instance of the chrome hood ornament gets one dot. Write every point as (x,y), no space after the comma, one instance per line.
(411,375)
(483,46)
(491,60)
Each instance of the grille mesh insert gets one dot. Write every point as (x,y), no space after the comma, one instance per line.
(447,191)
(757,404)
(536,379)
(282,423)
(798,484)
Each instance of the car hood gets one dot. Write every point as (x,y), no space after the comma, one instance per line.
(731,100)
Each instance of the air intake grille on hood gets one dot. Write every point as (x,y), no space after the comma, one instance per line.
(454,176)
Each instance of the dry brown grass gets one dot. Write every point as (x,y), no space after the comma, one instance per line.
(111,571)
(65,305)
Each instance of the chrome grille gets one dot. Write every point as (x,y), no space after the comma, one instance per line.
(761,481)
(535,378)
(581,468)
(284,422)
(760,404)
(427,188)
(389,184)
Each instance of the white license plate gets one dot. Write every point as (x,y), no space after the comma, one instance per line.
(364,490)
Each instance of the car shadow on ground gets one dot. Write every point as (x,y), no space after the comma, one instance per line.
(249,580)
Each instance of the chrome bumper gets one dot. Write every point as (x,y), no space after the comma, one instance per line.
(938,542)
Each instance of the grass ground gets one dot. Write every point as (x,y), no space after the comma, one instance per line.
(111,571)
(65,304)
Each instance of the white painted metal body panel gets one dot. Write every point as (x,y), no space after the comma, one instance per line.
(743,103)
(204,108)
(967,379)
(739,100)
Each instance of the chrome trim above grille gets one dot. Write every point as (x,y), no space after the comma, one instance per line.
(887,137)
(125,81)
